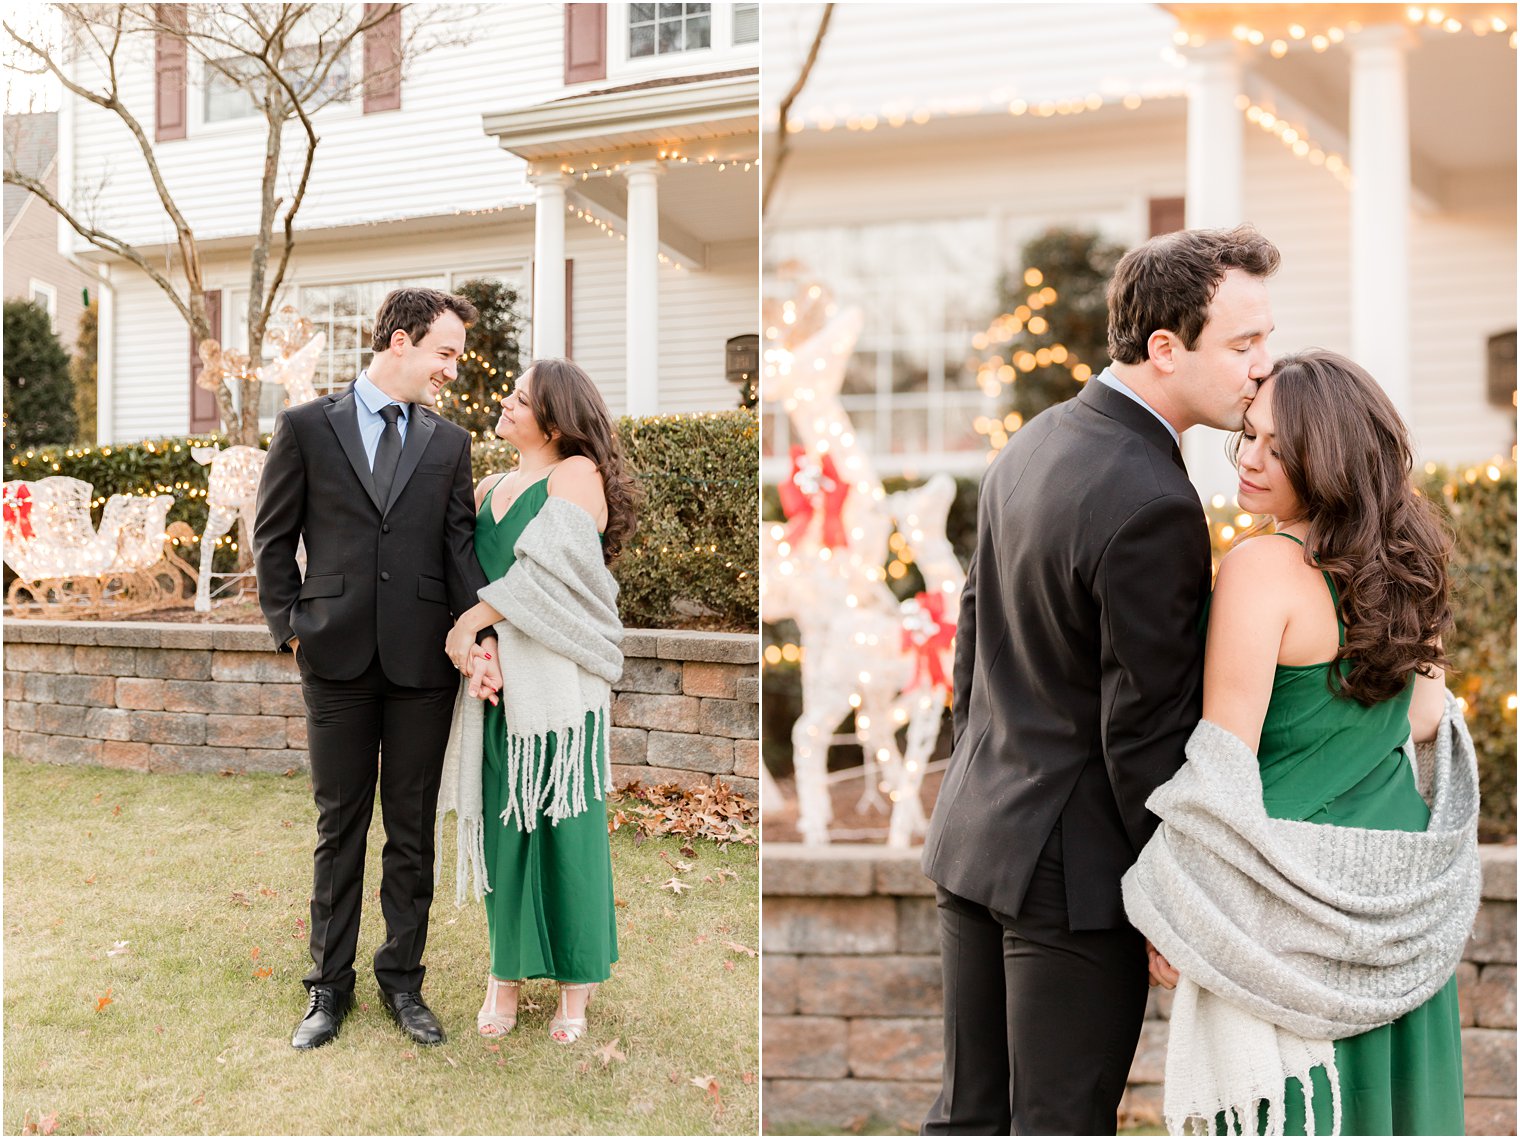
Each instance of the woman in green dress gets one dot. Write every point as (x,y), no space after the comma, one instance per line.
(549,910)
(1324,656)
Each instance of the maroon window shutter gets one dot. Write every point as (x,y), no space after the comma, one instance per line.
(1168,215)
(585,42)
(204,416)
(382,60)
(169,56)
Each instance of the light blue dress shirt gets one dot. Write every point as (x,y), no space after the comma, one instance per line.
(369,401)
(1122,388)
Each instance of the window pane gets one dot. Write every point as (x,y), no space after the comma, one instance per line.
(746,23)
(910,371)
(910,431)
(670,11)
(860,373)
(641,41)
(670,36)
(698,32)
(641,13)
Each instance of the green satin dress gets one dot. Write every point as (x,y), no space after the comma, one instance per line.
(550,910)
(1328,759)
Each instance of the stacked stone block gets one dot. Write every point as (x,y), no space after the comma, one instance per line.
(156,696)
(852,994)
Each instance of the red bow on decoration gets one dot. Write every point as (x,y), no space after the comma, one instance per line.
(18,511)
(811,483)
(927,634)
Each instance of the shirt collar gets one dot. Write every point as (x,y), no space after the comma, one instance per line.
(373,398)
(1113,381)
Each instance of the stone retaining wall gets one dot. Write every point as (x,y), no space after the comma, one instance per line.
(851,994)
(161,696)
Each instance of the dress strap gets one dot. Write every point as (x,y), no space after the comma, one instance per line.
(1335,596)
(485,503)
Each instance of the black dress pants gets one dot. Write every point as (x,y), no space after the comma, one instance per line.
(1041,1023)
(357,731)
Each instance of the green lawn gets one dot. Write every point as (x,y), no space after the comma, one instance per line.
(155,941)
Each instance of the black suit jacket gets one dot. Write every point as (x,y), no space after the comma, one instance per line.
(379,576)
(1079,656)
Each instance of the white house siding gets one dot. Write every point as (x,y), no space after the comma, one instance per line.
(964,55)
(699,310)
(151,393)
(428,158)
(1462,284)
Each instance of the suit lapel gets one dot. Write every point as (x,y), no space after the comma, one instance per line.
(344,417)
(418,433)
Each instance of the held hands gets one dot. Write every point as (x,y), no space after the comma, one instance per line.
(459,646)
(484,672)
(1161,971)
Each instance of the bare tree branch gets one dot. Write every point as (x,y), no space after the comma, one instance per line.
(773,162)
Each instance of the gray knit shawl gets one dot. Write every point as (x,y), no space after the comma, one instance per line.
(1326,931)
(558,646)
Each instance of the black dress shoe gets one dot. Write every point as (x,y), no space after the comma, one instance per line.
(410,1011)
(324,1015)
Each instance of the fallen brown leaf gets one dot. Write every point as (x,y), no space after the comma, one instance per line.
(710,1085)
(675,886)
(255,954)
(101,1002)
(607,1053)
(737,948)
(263,972)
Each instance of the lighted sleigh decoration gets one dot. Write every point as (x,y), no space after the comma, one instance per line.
(66,568)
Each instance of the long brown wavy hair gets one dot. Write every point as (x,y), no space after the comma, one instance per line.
(564,399)
(1346,453)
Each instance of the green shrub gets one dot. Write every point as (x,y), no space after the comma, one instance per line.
(695,557)
(39,396)
(692,563)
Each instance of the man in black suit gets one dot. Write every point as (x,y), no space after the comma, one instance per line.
(379,486)
(1078,678)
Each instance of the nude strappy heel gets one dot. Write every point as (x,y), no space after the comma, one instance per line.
(489,1022)
(568,1029)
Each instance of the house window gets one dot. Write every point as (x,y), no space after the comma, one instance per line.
(746,23)
(47,297)
(666,29)
(228,81)
(926,289)
(347,314)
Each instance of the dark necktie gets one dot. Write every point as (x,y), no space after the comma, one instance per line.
(387,454)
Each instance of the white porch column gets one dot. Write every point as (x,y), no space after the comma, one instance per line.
(549,264)
(1215,200)
(1380,203)
(643,314)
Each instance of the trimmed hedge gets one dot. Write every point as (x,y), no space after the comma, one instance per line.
(1480,503)
(692,563)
